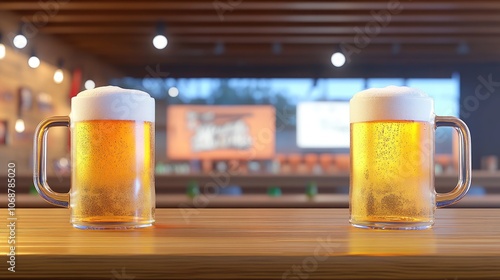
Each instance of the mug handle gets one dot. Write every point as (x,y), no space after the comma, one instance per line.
(464,168)
(40,161)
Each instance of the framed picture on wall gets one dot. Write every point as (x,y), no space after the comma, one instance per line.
(25,99)
(44,101)
(3,132)
(6,96)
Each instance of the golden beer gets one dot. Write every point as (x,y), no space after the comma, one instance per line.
(391,172)
(112,159)
(392,159)
(113,178)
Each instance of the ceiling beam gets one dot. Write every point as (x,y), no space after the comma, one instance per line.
(120,32)
(295,60)
(147,51)
(268,18)
(284,39)
(319,30)
(249,5)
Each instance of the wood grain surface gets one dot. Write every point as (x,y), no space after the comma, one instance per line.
(195,243)
(255,200)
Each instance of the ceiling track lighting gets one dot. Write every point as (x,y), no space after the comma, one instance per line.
(19,126)
(89,84)
(2,47)
(160,41)
(59,74)
(338,59)
(33,61)
(173,91)
(20,41)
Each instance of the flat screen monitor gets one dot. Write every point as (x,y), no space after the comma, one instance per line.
(220,132)
(323,124)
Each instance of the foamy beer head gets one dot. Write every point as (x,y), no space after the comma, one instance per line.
(392,149)
(112,152)
(112,103)
(391,103)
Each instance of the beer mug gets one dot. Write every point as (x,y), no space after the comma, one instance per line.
(112,159)
(392,159)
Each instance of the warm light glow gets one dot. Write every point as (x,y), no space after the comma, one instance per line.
(20,41)
(19,127)
(2,51)
(58,76)
(160,42)
(173,92)
(63,162)
(338,59)
(34,62)
(89,84)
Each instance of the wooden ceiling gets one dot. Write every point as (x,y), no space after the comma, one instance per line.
(236,38)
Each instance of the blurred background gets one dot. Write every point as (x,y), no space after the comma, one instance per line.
(251,96)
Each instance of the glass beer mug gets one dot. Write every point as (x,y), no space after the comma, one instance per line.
(392,159)
(112,159)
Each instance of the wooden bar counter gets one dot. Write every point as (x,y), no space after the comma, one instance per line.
(254,244)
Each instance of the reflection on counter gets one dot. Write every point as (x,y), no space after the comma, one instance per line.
(368,242)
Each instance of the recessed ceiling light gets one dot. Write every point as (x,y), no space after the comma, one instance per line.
(20,41)
(2,51)
(58,76)
(89,84)
(34,61)
(173,92)
(338,59)
(160,42)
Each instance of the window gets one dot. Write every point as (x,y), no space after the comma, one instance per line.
(286,94)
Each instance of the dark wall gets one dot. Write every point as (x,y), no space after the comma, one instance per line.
(480,109)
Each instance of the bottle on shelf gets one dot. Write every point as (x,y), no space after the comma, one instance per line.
(274,191)
(311,189)
(193,189)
